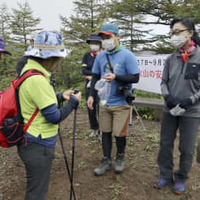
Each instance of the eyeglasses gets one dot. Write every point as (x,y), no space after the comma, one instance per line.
(177,32)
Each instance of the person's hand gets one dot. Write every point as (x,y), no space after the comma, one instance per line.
(90,102)
(109,77)
(66,94)
(88,78)
(77,95)
(185,103)
(170,101)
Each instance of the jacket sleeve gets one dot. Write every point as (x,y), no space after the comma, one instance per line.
(54,115)
(85,70)
(129,78)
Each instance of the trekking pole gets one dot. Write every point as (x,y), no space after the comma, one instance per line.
(131,116)
(73,148)
(65,156)
(66,161)
(140,119)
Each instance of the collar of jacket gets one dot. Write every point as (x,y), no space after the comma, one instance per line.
(178,54)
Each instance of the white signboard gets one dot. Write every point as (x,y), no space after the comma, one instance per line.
(151,69)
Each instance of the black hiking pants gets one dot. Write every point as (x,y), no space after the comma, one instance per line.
(38,161)
(93,114)
(188,128)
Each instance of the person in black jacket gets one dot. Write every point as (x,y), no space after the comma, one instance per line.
(87,63)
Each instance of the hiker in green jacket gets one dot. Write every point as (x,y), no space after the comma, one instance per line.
(38,92)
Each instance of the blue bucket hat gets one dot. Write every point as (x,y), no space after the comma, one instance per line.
(109,29)
(2,47)
(48,44)
(94,37)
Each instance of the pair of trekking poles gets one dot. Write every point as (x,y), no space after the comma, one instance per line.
(70,174)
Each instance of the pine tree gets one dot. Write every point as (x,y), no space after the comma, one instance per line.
(5,22)
(18,25)
(7,61)
(125,14)
(86,20)
(189,9)
(23,23)
(161,12)
(76,30)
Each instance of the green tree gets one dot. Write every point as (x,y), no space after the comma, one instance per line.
(5,22)
(23,23)
(20,23)
(161,12)
(7,63)
(124,13)
(87,19)
(190,9)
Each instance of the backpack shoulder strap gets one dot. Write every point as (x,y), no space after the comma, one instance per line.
(25,75)
(109,63)
(30,120)
(16,84)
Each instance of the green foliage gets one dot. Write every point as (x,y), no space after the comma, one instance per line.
(154,138)
(125,14)
(82,164)
(23,23)
(86,20)
(190,9)
(20,24)
(140,93)
(116,187)
(76,31)
(156,12)
(4,22)
(5,81)
(7,70)
(144,112)
(70,70)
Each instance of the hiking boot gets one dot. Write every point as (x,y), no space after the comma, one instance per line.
(93,133)
(179,187)
(161,182)
(119,164)
(105,165)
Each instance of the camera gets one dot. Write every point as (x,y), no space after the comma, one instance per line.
(125,90)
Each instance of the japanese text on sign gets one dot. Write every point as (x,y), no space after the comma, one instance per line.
(151,69)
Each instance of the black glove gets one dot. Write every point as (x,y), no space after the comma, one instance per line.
(170,101)
(185,103)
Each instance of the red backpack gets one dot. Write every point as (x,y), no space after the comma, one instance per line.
(12,128)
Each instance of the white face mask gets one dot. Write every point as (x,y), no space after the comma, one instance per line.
(178,40)
(94,47)
(108,44)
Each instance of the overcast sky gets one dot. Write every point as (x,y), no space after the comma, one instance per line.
(47,10)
